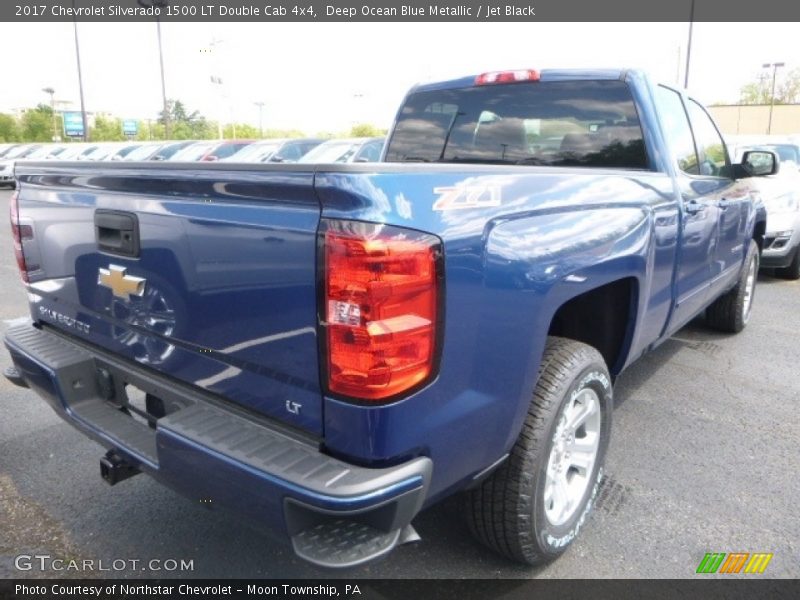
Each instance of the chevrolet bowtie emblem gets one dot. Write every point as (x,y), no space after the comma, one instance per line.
(121,285)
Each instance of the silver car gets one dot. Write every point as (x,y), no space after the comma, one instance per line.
(781,196)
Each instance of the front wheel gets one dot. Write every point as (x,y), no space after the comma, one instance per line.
(731,311)
(533,506)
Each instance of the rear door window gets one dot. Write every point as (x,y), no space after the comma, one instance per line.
(559,123)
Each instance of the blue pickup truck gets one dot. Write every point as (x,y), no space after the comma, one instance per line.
(329,349)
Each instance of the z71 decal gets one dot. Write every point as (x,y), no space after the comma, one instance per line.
(467,196)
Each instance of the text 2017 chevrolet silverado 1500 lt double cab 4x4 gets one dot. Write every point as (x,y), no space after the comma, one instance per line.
(330,349)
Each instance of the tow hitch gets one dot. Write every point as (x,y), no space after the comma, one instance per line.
(114,468)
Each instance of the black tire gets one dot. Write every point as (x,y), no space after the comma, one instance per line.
(731,311)
(791,272)
(507,511)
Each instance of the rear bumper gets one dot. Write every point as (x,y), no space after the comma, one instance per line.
(336,514)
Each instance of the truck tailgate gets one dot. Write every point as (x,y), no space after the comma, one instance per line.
(203,274)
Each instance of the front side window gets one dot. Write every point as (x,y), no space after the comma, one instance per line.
(713,157)
(559,123)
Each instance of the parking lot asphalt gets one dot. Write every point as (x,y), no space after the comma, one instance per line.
(703,458)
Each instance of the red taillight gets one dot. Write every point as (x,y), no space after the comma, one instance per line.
(507,77)
(19,233)
(381,308)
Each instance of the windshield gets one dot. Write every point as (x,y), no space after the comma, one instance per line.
(561,123)
(331,152)
(168,151)
(102,152)
(254,152)
(785,152)
(123,152)
(193,152)
(45,151)
(21,151)
(71,151)
(142,152)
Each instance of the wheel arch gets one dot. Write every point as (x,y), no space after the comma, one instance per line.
(603,317)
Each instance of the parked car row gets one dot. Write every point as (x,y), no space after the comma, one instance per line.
(289,150)
(781,196)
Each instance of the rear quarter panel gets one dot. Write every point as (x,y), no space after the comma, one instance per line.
(518,243)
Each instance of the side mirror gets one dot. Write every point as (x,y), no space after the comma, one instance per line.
(758,163)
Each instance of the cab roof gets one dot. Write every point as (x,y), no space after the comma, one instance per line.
(544,76)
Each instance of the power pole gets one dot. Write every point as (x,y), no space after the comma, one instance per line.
(772,95)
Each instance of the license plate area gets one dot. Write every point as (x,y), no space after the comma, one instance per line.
(142,400)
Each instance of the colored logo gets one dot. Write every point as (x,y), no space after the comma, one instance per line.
(735,562)
(122,285)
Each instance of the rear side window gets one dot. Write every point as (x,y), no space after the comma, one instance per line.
(560,123)
(676,128)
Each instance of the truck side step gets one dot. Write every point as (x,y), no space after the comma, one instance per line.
(339,543)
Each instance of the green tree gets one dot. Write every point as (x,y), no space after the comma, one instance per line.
(365,130)
(787,89)
(283,133)
(106,130)
(185,125)
(36,124)
(243,131)
(9,129)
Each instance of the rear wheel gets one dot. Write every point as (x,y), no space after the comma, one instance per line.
(731,311)
(793,270)
(533,506)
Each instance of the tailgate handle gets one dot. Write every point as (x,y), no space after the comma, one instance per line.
(117,232)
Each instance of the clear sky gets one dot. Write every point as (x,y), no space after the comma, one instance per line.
(326,76)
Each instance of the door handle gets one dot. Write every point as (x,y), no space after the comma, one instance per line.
(723,203)
(693,207)
(117,232)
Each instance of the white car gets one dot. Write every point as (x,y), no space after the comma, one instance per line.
(349,150)
(10,158)
(781,196)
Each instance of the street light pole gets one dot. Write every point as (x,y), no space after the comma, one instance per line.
(772,96)
(159,4)
(52,92)
(218,82)
(163,81)
(689,47)
(80,78)
(260,106)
